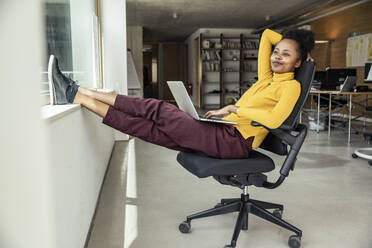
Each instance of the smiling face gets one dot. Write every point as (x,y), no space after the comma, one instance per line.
(285,57)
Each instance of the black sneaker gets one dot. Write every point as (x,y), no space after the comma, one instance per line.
(62,89)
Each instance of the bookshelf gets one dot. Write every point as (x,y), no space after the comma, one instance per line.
(229,64)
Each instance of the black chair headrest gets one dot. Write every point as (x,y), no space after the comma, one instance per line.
(304,75)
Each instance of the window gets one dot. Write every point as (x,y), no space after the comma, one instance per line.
(71,35)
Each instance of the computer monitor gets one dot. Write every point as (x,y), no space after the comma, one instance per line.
(368,73)
(336,77)
(319,79)
(320,76)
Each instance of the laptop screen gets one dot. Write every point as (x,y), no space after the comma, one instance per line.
(368,73)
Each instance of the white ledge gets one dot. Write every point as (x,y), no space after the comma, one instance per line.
(53,112)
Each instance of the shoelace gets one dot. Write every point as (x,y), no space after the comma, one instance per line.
(70,80)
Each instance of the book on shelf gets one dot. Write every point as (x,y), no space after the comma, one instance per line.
(208,44)
(207,55)
(211,55)
(250,44)
(211,66)
(249,67)
(228,44)
(218,55)
(229,69)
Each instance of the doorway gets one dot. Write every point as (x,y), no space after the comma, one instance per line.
(150,71)
(172,67)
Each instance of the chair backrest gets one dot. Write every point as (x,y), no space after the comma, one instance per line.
(304,75)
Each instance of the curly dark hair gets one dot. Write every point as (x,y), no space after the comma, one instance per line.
(304,39)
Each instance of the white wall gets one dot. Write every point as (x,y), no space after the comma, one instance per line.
(27,209)
(114,46)
(210,32)
(80,145)
(135,44)
(51,170)
(113,26)
(79,148)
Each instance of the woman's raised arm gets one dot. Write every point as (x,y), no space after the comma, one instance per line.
(268,39)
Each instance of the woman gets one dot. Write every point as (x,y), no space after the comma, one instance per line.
(269,101)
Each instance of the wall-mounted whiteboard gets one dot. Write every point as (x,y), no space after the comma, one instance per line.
(359,50)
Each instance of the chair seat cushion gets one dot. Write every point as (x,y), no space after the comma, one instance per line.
(202,166)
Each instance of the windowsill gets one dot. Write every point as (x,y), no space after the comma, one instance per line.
(53,112)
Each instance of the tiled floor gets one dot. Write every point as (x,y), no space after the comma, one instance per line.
(328,196)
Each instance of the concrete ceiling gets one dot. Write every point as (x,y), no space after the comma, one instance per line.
(156,16)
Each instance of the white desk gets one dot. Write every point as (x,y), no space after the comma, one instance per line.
(338,93)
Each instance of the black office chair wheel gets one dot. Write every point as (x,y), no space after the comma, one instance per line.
(294,241)
(184,227)
(229,246)
(354,155)
(370,162)
(278,213)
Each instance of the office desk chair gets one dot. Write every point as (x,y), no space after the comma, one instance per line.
(242,173)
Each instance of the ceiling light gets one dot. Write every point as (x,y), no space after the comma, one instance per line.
(267,18)
(175,15)
(322,41)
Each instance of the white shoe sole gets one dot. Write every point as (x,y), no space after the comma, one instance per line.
(52,90)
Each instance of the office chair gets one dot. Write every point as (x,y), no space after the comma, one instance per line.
(363,152)
(242,173)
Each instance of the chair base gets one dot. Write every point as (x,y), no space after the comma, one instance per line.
(364,152)
(244,206)
(361,153)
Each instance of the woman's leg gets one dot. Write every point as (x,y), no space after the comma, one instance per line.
(108,98)
(92,104)
(216,140)
(140,128)
(134,126)
(161,123)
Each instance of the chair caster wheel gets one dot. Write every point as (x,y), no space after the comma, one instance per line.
(354,155)
(184,227)
(229,246)
(370,162)
(278,213)
(294,241)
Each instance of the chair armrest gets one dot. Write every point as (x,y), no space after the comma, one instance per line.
(283,132)
(294,141)
(283,127)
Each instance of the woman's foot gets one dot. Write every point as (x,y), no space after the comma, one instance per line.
(62,89)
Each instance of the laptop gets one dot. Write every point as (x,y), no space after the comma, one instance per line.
(347,86)
(185,104)
(349,83)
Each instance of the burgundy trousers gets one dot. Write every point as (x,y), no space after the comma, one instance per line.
(162,123)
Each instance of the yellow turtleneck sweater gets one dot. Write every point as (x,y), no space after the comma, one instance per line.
(270,100)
